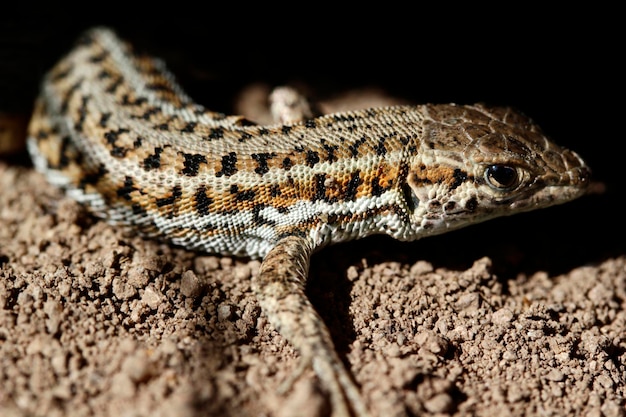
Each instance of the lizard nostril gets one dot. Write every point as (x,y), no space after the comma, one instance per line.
(584,174)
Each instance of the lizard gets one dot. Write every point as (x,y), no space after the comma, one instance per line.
(115,130)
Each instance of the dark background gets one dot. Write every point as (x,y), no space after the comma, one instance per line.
(561,67)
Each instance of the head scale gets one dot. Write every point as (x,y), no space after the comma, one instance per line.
(477,163)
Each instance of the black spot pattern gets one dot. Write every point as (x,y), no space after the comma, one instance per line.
(112,136)
(203,203)
(354,148)
(138,209)
(68,96)
(258,219)
(139,101)
(126,189)
(377,189)
(149,112)
(320,188)
(410,198)
(275,190)
(64,160)
(229,165)
(117,83)
(59,75)
(118,152)
(261,159)
(459,178)
(82,114)
(189,127)
(104,74)
(153,161)
(343,118)
(330,151)
(244,136)
(312,158)
(158,86)
(104,119)
(287,164)
(216,133)
(176,194)
(353,185)
(192,164)
(92,178)
(380,148)
(242,195)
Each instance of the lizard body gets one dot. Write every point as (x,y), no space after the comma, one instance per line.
(118,134)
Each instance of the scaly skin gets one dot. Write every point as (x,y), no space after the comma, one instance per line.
(117,133)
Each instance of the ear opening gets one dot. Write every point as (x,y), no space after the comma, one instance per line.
(411,200)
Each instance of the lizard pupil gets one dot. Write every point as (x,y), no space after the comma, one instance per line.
(501,177)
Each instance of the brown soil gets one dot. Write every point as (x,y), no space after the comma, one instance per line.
(507,318)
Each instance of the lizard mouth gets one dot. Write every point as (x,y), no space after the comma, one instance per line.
(570,185)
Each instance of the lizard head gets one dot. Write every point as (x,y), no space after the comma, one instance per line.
(477,163)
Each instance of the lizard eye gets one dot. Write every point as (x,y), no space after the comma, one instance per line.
(502,177)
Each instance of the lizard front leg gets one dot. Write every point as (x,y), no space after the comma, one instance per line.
(279,288)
